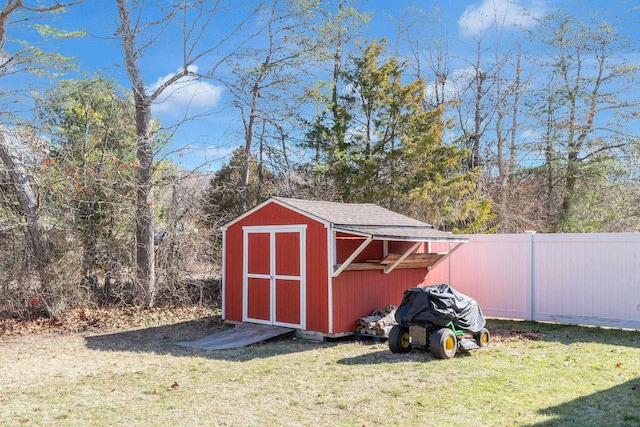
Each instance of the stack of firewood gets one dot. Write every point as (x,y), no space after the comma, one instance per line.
(378,323)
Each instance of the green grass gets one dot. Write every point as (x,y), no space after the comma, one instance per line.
(570,376)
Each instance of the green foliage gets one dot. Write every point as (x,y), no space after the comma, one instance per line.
(337,24)
(90,172)
(221,202)
(386,148)
(608,202)
(20,55)
(49,32)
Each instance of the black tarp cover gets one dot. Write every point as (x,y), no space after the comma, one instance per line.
(438,305)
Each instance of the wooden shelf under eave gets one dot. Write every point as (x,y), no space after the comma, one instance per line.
(419,260)
(371,266)
(411,261)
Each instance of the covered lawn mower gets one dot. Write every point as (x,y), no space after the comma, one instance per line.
(439,318)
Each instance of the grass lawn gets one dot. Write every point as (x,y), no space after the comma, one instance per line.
(531,374)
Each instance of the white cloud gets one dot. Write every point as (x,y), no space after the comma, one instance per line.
(454,85)
(185,94)
(503,13)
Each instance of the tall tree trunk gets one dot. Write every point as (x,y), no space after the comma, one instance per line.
(28,201)
(567,197)
(478,118)
(253,112)
(248,142)
(145,250)
(513,142)
(549,160)
(260,165)
(506,141)
(337,62)
(337,134)
(89,237)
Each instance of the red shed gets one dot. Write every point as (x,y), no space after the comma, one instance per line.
(320,266)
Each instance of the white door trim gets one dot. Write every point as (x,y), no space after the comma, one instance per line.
(272,276)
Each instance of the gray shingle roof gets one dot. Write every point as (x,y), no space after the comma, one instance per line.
(352,213)
(370,219)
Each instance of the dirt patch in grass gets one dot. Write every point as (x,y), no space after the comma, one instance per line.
(511,335)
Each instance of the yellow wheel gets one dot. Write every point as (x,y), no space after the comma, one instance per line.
(399,339)
(482,338)
(449,343)
(443,343)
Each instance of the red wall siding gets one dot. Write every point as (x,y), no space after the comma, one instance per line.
(347,244)
(357,293)
(316,263)
(317,278)
(233,274)
(401,247)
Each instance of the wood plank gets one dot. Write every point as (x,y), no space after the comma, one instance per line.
(370,266)
(405,256)
(412,261)
(363,266)
(241,336)
(429,258)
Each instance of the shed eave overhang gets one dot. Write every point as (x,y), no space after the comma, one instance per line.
(416,235)
(401,234)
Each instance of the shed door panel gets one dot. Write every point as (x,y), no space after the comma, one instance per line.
(288,301)
(258,257)
(288,254)
(259,299)
(259,277)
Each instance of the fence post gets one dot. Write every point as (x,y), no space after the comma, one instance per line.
(532,277)
(449,265)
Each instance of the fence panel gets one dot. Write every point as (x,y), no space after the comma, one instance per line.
(495,270)
(587,278)
(591,279)
(440,274)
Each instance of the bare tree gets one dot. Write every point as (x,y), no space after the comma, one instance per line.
(428,46)
(25,59)
(588,109)
(28,202)
(487,96)
(140,29)
(264,88)
(476,106)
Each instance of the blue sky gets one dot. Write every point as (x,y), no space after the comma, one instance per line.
(212,136)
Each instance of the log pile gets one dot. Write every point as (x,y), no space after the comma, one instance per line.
(378,323)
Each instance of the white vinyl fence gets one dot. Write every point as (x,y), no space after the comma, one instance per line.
(589,279)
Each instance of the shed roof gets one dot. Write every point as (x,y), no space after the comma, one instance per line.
(370,220)
(352,213)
